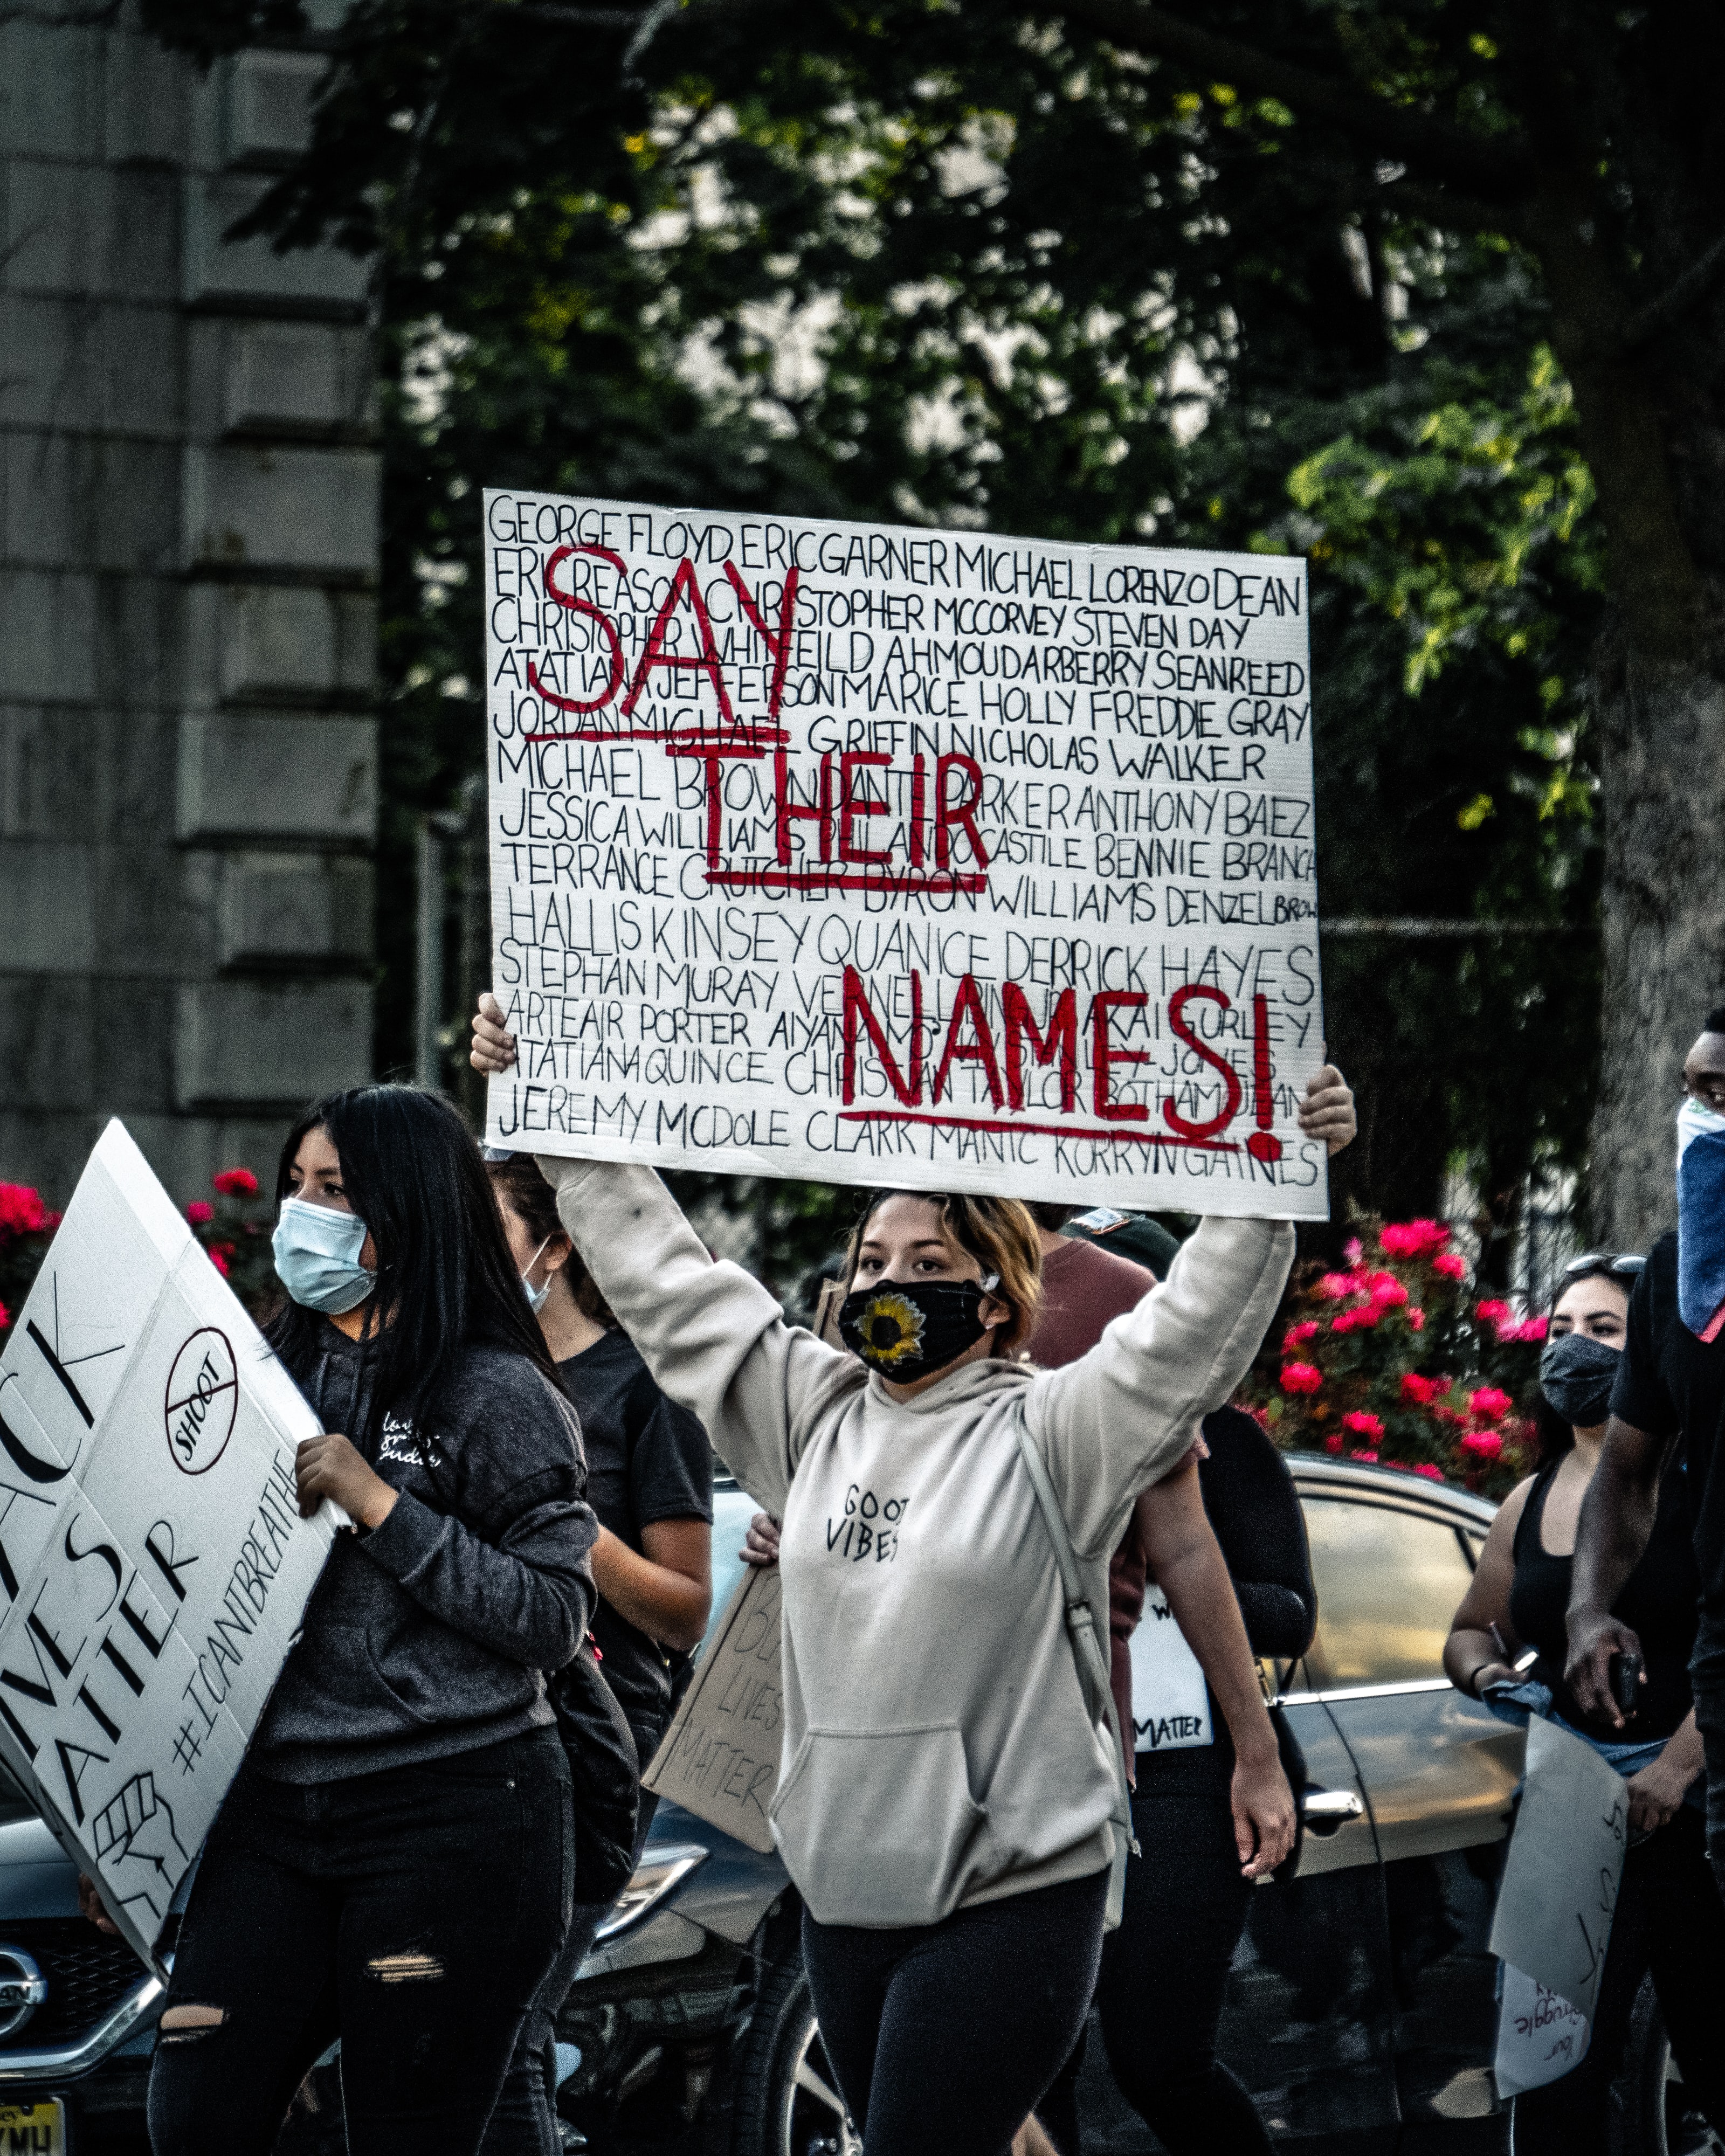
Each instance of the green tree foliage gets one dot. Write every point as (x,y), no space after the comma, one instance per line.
(992,265)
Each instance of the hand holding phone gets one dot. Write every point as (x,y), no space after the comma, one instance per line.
(1623,1674)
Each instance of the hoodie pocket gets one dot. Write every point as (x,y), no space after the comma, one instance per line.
(878,1827)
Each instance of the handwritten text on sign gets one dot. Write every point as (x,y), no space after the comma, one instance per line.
(153,1564)
(720,1758)
(878,855)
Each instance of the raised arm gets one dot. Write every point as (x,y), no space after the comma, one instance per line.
(710,1334)
(1122,1416)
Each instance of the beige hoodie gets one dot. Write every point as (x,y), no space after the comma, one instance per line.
(937,1749)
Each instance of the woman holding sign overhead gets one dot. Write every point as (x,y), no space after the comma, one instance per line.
(952,1808)
(392,1864)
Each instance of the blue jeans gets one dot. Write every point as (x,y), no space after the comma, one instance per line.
(413,1913)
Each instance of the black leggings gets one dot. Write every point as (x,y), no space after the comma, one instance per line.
(413,1913)
(1669,1919)
(944,2035)
(1165,1970)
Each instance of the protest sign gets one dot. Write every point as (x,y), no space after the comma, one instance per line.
(1171,1702)
(719,1759)
(154,1564)
(1553,1922)
(875,854)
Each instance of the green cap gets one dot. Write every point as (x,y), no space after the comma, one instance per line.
(1134,1236)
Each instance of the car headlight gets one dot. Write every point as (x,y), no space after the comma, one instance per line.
(653,1879)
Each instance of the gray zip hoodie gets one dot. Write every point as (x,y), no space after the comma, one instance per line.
(938,1752)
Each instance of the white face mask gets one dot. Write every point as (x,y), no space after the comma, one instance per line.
(1696,1120)
(536,1296)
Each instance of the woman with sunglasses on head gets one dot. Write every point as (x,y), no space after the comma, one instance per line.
(948,1802)
(649,1480)
(1669,1917)
(392,1864)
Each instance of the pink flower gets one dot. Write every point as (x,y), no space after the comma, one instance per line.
(1353,1250)
(1344,1320)
(1333,1286)
(1483,1444)
(1300,1378)
(1296,1336)
(1370,1458)
(1429,1472)
(1333,1442)
(22,1211)
(1413,1239)
(234,1183)
(5,1317)
(1363,1425)
(1416,1320)
(1493,1312)
(1450,1263)
(200,1211)
(218,1258)
(1388,1292)
(1418,1392)
(1529,1329)
(1490,1402)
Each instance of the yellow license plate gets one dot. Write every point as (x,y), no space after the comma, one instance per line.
(33,2129)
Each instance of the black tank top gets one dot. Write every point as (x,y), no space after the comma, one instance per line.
(1659,1601)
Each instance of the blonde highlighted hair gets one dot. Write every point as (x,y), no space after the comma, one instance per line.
(998,1233)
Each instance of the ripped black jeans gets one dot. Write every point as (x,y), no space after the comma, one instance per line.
(413,1913)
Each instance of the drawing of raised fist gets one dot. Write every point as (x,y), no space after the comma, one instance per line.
(139,1826)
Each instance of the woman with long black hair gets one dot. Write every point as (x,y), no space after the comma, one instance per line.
(394,1862)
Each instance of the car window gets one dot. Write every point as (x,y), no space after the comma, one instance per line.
(1388,1584)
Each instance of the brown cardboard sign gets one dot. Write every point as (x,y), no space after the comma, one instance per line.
(720,1758)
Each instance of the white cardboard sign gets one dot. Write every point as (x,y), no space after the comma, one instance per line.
(1171,1703)
(1553,1922)
(153,1562)
(878,855)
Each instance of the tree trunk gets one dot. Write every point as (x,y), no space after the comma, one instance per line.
(1661,763)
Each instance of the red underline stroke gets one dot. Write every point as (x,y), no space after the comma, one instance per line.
(1124,1135)
(940,882)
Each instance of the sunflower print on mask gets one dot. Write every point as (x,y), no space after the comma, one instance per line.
(891,1329)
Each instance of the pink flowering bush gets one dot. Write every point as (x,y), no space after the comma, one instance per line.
(235,1232)
(1399,1360)
(26,1226)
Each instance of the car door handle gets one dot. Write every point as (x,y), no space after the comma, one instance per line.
(1324,1810)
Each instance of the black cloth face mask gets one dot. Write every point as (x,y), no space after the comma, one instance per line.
(1576,1375)
(907,1329)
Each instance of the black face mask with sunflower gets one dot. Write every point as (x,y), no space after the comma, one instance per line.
(905,1329)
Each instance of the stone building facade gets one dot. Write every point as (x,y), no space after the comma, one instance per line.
(188,546)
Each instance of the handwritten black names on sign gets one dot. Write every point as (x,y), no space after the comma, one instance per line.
(872,854)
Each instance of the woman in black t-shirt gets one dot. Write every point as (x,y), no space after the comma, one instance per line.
(650,1482)
(1669,1917)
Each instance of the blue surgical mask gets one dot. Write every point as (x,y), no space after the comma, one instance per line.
(317,1257)
(536,1296)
